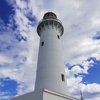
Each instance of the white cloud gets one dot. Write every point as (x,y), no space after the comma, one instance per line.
(75,85)
(4,59)
(91,88)
(21,4)
(81,20)
(3,95)
(23,54)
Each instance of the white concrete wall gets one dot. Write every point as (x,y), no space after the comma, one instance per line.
(50,62)
(36,95)
(56,96)
(44,94)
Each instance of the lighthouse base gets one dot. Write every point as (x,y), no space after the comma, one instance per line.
(44,94)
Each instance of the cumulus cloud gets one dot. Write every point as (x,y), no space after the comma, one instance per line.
(3,95)
(19,49)
(81,20)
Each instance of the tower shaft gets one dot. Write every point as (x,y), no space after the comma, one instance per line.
(50,66)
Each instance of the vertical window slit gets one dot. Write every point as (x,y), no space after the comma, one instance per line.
(58,36)
(42,43)
(63,77)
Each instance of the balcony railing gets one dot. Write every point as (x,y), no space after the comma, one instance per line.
(49,19)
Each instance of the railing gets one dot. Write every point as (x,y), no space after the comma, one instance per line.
(50,19)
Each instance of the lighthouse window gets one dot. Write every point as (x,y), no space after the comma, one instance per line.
(58,36)
(42,43)
(63,77)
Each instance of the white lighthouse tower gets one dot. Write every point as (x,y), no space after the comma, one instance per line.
(50,78)
(50,67)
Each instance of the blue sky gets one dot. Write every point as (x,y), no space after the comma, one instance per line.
(19,44)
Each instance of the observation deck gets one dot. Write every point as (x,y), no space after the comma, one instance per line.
(50,19)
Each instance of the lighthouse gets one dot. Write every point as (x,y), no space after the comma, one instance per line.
(50,81)
(50,66)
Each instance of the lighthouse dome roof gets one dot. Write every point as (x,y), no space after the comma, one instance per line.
(49,15)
